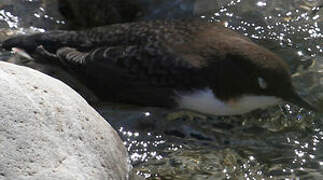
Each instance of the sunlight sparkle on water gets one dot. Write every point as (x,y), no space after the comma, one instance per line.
(316,17)
(226,24)
(36,15)
(144,146)
(261,3)
(10,19)
(251,158)
(300,53)
(147,114)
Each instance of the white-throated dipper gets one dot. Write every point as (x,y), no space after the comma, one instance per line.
(193,65)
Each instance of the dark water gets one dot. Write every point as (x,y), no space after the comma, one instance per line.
(283,142)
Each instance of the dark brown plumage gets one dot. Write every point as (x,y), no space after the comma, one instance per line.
(148,62)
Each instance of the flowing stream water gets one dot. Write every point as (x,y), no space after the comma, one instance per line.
(283,142)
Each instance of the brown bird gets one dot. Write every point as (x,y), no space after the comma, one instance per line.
(193,65)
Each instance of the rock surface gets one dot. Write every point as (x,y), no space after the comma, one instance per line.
(57,72)
(48,131)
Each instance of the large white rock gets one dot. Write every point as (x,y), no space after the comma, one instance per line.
(48,131)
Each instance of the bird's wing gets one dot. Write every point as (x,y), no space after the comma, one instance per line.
(134,73)
(151,59)
(149,63)
(125,71)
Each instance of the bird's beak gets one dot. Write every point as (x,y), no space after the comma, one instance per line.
(297,100)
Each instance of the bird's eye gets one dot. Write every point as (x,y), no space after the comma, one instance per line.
(262,83)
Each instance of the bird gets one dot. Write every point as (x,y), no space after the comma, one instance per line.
(178,64)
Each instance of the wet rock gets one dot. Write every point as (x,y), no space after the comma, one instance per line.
(165,9)
(206,6)
(47,131)
(90,13)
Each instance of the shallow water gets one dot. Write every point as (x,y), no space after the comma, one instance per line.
(283,142)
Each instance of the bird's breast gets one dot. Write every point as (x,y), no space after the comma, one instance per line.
(205,101)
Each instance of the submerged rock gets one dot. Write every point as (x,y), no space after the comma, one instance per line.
(48,131)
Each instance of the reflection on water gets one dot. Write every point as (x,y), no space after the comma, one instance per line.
(10,19)
(35,14)
(280,143)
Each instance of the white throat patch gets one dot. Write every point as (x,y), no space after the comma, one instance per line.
(206,102)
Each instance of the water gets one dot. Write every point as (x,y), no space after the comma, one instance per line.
(283,142)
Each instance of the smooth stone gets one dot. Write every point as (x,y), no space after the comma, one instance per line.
(48,131)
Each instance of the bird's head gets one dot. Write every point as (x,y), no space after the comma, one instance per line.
(254,80)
